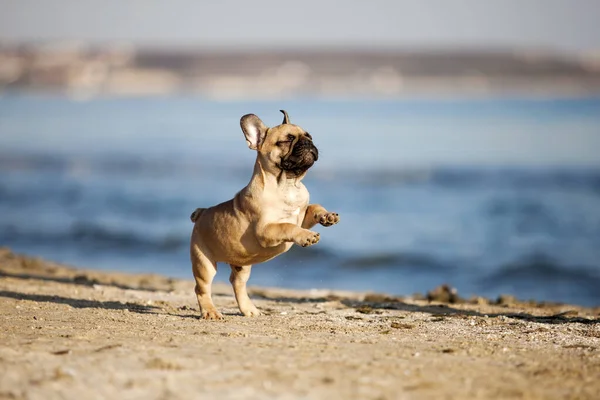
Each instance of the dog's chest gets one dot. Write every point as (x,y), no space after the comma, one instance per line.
(290,202)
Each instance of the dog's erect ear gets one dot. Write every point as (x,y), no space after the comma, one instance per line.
(254,130)
(286,119)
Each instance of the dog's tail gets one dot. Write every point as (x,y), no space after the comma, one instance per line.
(196,214)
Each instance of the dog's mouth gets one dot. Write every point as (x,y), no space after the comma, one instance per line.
(301,158)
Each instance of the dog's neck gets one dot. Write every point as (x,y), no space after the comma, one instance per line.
(267,177)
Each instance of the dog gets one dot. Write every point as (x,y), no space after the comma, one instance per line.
(264,219)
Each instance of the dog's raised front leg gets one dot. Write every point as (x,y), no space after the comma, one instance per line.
(272,235)
(238,278)
(317,214)
(204,272)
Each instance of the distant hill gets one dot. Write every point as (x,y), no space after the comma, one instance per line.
(122,70)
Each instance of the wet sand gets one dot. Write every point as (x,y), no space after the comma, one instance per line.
(72,334)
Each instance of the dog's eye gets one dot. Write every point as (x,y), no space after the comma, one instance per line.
(290,138)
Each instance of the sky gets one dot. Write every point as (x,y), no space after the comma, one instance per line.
(556,25)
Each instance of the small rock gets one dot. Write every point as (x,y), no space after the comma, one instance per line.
(61,373)
(352,317)
(380,298)
(506,300)
(82,279)
(399,325)
(444,294)
(365,309)
(61,352)
(481,301)
(159,363)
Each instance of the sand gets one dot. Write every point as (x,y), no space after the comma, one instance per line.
(74,334)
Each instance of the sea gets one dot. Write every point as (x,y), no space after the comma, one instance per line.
(488,195)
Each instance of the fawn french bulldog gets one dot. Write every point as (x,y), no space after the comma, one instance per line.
(264,219)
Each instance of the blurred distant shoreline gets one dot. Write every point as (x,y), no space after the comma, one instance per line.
(85,71)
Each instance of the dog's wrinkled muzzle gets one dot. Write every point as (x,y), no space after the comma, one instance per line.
(301,158)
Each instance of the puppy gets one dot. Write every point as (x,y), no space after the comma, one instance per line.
(264,219)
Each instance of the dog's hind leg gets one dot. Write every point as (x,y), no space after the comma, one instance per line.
(204,272)
(238,278)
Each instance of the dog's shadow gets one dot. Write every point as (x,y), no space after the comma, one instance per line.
(435,310)
(445,310)
(264,295)
(79,279)
(81,303)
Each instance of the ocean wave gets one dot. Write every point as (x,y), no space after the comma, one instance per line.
(476,177)
(319,252)
(393,260)
(94,237)
(540,270)
(527,178)
(116,165)
(562,178)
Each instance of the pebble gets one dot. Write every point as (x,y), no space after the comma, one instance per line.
(61,372)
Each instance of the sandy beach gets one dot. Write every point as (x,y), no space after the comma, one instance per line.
(71,334)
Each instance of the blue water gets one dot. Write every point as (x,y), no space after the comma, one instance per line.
(490,196)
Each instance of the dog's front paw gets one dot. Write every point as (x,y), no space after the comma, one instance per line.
(328,219)
(211,314)
(307,238)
